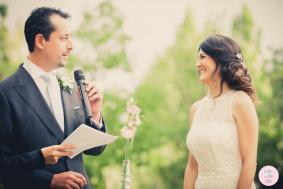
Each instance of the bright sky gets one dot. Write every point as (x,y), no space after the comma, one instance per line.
(152,25)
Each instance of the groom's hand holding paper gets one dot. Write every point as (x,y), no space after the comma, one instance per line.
(85,137)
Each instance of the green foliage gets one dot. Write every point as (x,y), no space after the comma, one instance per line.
(267,78)
(102,29)
(6,67)
(243,25)
(3,10)
(271,117)
(249,39)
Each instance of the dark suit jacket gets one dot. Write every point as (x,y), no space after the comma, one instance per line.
(27,125)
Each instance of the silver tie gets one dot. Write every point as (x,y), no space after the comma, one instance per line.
(54,97)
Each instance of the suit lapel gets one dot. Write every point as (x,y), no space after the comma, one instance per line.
(68,112)
(73,113)
(28,90)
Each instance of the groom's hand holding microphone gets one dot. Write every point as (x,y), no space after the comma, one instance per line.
(95,100)
(90,96)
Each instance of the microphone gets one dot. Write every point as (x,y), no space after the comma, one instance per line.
(80,79)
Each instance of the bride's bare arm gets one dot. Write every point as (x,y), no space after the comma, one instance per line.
(244,114)
(191,171)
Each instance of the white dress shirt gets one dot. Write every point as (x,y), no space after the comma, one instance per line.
(49,89)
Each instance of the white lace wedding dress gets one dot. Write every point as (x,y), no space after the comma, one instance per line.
(213,141)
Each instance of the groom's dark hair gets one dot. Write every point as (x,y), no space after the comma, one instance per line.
(39,23)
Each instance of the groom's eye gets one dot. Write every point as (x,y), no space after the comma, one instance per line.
(65,37)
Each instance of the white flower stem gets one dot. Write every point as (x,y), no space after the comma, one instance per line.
(127,149)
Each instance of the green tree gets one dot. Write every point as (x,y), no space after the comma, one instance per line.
(101,31)
(165,96)
(6,67)
(271,117)
(268,83)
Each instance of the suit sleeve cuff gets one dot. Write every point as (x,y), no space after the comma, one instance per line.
(40,162)
(37,159)
(99,126)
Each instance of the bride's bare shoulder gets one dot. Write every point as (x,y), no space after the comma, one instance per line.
(193,109)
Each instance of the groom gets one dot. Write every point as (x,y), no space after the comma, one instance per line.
(35,112)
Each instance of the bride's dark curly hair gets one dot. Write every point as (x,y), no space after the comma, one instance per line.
(228,58)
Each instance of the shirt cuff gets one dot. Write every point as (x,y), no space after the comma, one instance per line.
(99,124)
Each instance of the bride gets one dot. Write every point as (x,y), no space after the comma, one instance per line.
(223,135)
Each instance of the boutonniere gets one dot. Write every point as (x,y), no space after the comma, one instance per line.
(65,82)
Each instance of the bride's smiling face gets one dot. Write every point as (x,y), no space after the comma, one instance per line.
(206,67)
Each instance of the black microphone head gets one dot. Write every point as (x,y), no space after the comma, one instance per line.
(79,75)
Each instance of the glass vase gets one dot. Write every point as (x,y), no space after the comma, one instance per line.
(126,175)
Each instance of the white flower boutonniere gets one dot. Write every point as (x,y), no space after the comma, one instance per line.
(65,82)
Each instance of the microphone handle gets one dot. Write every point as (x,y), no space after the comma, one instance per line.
(85,101)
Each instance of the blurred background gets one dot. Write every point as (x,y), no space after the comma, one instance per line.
(148,49)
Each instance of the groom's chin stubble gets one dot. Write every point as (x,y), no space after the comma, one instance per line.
(61,64)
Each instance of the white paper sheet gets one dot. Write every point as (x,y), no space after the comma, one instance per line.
(85,137)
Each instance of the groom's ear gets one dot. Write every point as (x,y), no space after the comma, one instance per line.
(39,41)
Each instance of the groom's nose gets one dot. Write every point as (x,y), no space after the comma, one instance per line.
(70,46)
